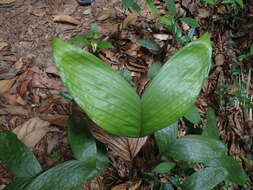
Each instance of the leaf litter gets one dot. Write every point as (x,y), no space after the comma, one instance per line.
(32,93)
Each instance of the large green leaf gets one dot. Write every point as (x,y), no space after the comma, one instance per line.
(103,94)
(63,176)
(195,148)
(81,141)
(164,137)
(210,129)
(17,157)
(174,90)
(19,183)
(206,179)
(235,171)
(111,102)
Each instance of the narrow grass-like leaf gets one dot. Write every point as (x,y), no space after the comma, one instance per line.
(17,157)
(103,94)
(164,167)
(190,21)
(206,179)
(235,171)
(174,90)
(195,148)
(210,2)
(81,141)
(152,7)
(240,2)
(166,136)
(210,129)
(193,115)
(154,70)
(127,4)
(149,44)
(171,6)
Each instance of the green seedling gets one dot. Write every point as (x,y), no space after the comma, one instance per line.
(126,4)
(89,41)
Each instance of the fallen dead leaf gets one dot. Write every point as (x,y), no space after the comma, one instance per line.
(105,14)
(126,148)
(7,1)
(7,71)
(128,186)
(2,187)
(120,187)
(3,45)
(5,85)
(32,131)
(14,99)
(129,20)
(59,120)
(14,110)
(161,37)
(219,59)
(67,19)
(52,70)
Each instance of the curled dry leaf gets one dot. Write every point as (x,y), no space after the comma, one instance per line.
(129,20)
(126,148)
(67,19)
(5,85)
(105,14)
(14,99)
(32,131)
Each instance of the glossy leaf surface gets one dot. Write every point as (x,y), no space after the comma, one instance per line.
(235,171)
(174,90)
(206,179)
(113,104)
(164,167)
(103,94)
(165,137)
(195,148)
(17,157)
(81,141)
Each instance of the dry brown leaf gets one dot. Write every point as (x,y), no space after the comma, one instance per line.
(120,187)
(59,120)
(7,1)
(219,59)
(66,18)
(14,110)
(14,99)
(105,14)
(52,70)
(128,186)
(129,20)
(126,148)
(3,45)
(5,85)
(32,131)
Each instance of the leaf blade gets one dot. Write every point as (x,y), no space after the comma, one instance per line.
(168,97)
(107,101)
(195,148)
(206,179)
(17,157)
(235,171)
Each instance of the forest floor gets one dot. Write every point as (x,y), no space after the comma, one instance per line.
(30,85)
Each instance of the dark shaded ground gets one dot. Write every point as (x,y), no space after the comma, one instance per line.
(30,85)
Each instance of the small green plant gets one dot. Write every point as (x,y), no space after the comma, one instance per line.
(89,41)
(126,4)
(112,103)
(170,20)
(20,161)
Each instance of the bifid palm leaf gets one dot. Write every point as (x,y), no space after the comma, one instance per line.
(112,103)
